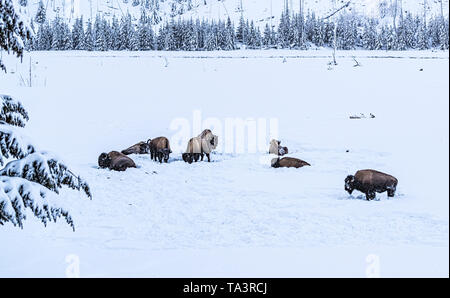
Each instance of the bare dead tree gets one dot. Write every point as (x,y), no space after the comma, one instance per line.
(357,64)
(347,4)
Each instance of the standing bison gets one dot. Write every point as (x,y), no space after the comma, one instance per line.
(277,149)
(139,148)
(115,161)
(199,146)
(370,182)
(159,149)
(288,162)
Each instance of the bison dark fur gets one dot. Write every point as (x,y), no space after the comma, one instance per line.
(370,182)
(115,161)
(159,149)
(139,148)
(289,162)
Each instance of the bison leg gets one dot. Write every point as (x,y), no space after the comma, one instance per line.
(370,195)
(391,193)
(209,159)
(202,156)
(196,157)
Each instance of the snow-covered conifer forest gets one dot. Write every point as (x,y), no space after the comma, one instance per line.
(299,97)
(145,29)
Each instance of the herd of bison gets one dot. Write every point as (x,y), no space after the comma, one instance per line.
(368,182)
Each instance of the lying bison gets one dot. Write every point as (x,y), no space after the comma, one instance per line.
(288,162)
(200,146)
(369,182)
(139,148)
(277,149)
(159,149)
(115,161)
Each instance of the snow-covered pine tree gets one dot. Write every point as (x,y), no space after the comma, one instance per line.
(115,34)
(444,34)
(422,37)
(33,179)
(89,37)
(230,43)
(145,32)
(41,13)
(107,32)
(13,31)
(126,32)
(240,31)
(210,38)
(369,36)
(99,34)
(78,34)
(58,34)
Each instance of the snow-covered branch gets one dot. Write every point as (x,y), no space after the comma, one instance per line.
(12,112)
(45,169)
(18,194)
(347,4)
(13,143)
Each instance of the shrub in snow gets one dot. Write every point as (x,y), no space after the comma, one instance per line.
(31,179)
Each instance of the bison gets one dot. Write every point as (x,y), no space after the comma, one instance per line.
(115,161)
(288,162)
(159,149)
(196,149)
(139,148)
(200,146)
(277,149)
(370,182)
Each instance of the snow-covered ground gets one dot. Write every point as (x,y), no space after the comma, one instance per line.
(237,216)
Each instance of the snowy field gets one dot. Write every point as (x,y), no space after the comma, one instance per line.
(237,216)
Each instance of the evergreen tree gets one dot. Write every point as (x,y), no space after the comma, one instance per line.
(100,43)
(89,37)
(284,30)
(443,34)
(13,31)
(241,31)
(229,36)
(78,37)
(41,13)
(145,34)
(126,32)
(115,34)
(33,179)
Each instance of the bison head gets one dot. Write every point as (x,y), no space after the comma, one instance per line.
(187,157)
(349,184)
(104,160)
(282,150)
(275,163)
(144,148)
(165,153)
(214,141)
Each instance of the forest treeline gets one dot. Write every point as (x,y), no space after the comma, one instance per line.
(293,31)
